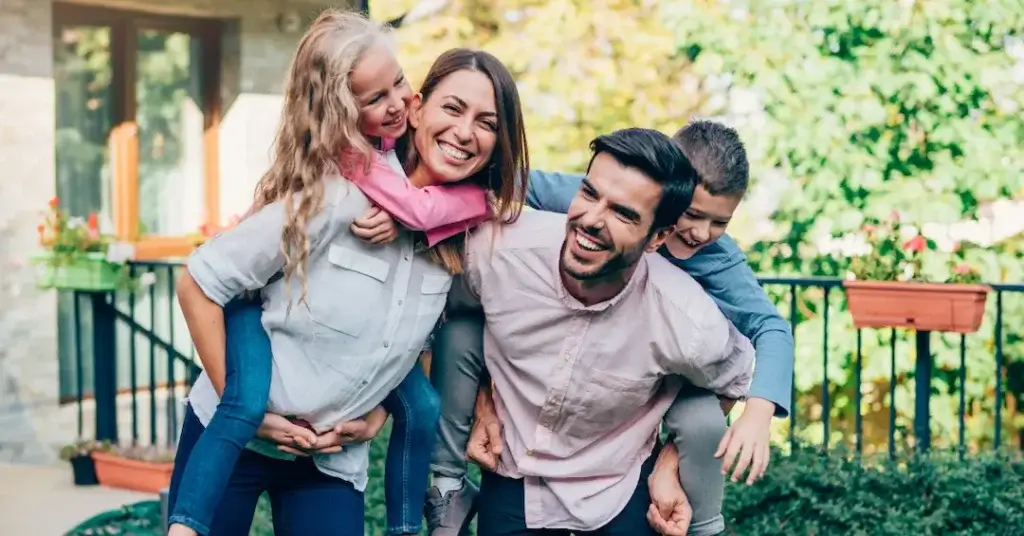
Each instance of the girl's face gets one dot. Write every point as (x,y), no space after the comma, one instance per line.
(382,93)
(456,127)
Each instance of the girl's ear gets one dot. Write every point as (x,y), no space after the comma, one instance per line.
(415,110)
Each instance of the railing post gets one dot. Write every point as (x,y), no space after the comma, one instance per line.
(104,355)
(923,392)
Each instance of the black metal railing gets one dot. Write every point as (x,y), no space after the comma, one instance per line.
(852,389)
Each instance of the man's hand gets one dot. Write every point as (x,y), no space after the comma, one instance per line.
(747,441)
(290,437)
(485,441)
(670,512)
(375,226)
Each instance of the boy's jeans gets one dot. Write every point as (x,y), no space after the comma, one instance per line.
(414,406)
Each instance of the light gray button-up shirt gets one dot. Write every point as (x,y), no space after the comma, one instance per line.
(338,354)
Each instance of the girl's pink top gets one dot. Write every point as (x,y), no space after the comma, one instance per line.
(439,211)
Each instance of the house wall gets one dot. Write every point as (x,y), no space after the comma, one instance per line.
(256,54)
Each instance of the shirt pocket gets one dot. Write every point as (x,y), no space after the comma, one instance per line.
(432,297)
(610,401)
(347,290)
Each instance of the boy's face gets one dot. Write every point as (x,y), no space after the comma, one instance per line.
(702,223)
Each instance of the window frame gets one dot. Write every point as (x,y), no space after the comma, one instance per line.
(123,139)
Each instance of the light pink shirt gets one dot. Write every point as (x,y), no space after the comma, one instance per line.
(438,211)
(581,390)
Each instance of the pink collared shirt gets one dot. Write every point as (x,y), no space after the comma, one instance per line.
(581,390)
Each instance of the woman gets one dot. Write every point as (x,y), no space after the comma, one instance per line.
(467,122)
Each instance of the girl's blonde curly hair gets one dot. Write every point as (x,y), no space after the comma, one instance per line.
(319,118)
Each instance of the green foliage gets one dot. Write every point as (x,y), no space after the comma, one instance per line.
(810,493)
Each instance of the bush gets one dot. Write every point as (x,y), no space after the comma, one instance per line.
(810,493)
(807,493)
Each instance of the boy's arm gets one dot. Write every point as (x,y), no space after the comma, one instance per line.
(420,209)
(722,270)
(552,191)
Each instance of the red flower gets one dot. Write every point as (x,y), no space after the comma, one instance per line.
(54,202)
(916,244)
(94,222)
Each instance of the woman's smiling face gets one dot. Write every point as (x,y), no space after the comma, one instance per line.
(456,127)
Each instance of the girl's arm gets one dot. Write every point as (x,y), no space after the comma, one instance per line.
(431,208)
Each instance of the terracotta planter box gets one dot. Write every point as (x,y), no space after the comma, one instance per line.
(920,306)
(117,472)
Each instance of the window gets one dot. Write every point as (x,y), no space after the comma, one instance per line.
(138,114)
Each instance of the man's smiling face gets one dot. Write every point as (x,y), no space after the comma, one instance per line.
(609,220)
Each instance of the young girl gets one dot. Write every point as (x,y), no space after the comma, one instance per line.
(376,93)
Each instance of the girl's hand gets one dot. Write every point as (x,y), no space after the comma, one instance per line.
(375,227)
(290,437)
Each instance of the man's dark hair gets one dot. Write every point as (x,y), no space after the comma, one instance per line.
(717,154)
(658,157)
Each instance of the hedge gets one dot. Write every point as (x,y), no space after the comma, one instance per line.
(807,493)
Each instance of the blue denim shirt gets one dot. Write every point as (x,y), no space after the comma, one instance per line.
(722,270)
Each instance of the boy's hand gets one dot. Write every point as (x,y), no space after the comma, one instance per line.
(375,227)
(362,429)
(746,442)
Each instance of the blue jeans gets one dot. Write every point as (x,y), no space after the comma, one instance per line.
(303,500)
(414,406)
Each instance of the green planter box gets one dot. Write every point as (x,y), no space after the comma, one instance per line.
(89,272)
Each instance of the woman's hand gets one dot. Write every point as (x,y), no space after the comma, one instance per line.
(375,227)
(290,437)
(355,431)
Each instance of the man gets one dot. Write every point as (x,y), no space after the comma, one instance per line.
(587,335)
(701,248)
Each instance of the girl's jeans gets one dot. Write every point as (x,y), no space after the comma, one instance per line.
(414,406)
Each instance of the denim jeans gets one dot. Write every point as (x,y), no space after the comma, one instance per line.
(503,509)
(414,406)
(303,500)
(206,472)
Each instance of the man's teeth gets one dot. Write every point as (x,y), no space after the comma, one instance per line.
(586,243)
(453,152)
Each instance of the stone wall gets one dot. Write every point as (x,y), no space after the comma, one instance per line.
(256,54)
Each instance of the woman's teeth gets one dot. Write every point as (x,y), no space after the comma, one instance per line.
(586,243)
(453,151)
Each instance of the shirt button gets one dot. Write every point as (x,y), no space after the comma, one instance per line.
(529,452)
(364,383)
(399,302)
(385,344)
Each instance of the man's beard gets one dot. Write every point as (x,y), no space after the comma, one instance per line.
(617,264)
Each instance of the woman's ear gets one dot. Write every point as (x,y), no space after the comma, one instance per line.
(415,110)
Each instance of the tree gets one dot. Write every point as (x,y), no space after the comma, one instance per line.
(583,67)
(871,106)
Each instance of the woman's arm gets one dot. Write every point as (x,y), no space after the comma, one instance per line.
(242,258)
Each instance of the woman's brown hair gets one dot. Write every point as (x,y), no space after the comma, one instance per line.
(506,174)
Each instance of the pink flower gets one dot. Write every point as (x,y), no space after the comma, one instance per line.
(963,269)
(894,216)
(916,244)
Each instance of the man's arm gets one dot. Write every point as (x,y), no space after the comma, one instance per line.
(722,270)
(552,191)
